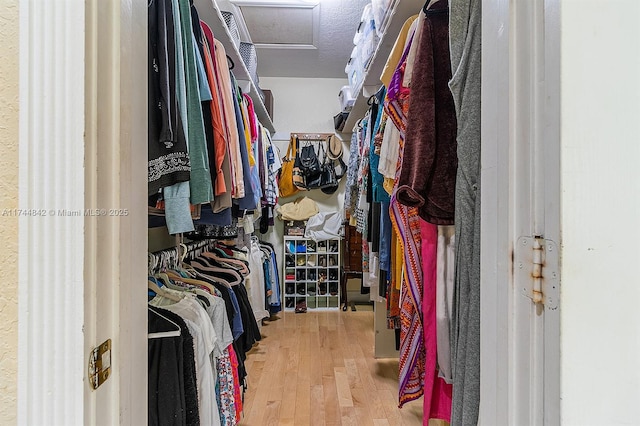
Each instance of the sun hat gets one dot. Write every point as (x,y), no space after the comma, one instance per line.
(334,147)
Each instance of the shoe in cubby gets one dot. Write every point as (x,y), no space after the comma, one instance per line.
(301,289)
(333,289)
(311,289)
(301,275)
(333,274)
(312,275)
(289,288)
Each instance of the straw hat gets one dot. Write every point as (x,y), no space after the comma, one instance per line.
(334,147)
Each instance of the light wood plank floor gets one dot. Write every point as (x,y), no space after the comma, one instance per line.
(318,368)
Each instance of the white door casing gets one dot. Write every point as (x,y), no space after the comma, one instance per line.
(520,340)
(116,245)
(83,128)
(51,368)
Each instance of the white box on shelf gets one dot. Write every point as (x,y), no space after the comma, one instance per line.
(346,98)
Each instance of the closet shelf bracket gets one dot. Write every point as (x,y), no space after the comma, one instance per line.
(536,270)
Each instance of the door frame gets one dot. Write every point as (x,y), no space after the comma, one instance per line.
(83,145)
(105,168)
(520,341)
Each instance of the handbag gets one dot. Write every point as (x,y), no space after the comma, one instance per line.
(328,178)
(309,163)
(299,179)
(325,177)
(286,186)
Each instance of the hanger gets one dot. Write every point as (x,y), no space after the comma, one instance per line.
(193,282)
(232,64)
(223,262)
(161,334)
(185,267)
(427,8)
(427,5)
(153,286)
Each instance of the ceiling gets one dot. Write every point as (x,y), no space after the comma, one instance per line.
(300,38)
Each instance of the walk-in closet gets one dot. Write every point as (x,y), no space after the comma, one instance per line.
(346,212)
(309,182)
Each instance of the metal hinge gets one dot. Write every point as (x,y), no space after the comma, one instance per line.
(536,270)
(100,364)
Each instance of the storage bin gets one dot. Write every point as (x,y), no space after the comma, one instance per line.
(295,228)
(367,48)
(346,99)
(356,76)
(250,59)
(380,10)
(230,20)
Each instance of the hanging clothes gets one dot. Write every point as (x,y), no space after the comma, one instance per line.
(437,392)
(406,225)
(445,294)
(465,38)
(172,393)
(205,338)
(168,158)
(428,174)
(200,182)
(256,282)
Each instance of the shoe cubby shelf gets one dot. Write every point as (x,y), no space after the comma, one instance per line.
(311,273)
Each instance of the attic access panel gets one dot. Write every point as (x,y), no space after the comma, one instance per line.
(282,25)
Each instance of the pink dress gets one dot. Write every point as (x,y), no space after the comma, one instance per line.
(437,392)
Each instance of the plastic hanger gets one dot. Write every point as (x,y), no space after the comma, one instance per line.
(427,8)
(223,262)
(162,334)
(188,269)
(152,285)
(194,282)
(427,5)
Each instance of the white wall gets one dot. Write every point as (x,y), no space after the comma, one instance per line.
(305,105)
(600,212)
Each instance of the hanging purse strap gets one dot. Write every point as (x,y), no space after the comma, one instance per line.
(293,148)
(324,153)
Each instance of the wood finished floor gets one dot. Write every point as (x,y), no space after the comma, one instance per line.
(318,368)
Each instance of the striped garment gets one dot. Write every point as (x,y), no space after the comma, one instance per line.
(406,223)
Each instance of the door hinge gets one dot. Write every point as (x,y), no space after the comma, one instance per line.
(536,270)
(100,364)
